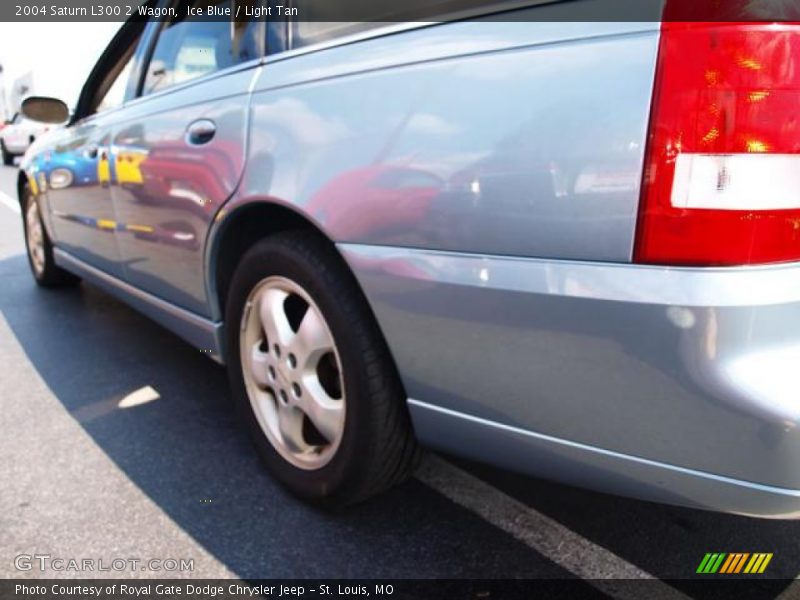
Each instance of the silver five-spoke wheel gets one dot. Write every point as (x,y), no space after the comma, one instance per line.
(311,374)
(292,373)
(35,237)
(39,248)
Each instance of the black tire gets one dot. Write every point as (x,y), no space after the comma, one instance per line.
(51,275)
(8,158)
(378,448)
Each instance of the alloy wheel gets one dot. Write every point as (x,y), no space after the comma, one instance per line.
(292,373)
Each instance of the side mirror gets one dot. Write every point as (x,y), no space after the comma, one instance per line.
(45,110)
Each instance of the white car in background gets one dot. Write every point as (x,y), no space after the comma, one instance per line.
(17,135)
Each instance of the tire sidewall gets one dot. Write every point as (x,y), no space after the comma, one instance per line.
(27,199)
(279,257)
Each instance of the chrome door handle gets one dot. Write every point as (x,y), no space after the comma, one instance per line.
(200,132)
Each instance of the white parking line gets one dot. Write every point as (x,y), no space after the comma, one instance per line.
(600,568)
(9,202)
(792,591)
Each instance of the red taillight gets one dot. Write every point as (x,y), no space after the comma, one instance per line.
(722,174)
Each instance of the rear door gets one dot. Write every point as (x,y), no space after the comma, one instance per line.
(177,151)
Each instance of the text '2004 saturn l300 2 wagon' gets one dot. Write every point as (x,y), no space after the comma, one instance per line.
(568,248)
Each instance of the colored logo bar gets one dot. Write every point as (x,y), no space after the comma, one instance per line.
(734,563)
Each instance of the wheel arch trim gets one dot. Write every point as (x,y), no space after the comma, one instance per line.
(288,216)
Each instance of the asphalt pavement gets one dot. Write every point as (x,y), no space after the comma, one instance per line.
(87,471)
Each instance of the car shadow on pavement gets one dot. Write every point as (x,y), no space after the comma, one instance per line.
(187,452)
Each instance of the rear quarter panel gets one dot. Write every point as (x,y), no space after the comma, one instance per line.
(471,139)
(512,138)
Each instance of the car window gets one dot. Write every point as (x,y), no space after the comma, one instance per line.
(305,33)
(277,36)
(115,94)
(324,20)
(110,82)
(188,48)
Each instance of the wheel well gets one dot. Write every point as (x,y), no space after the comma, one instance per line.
(244,228)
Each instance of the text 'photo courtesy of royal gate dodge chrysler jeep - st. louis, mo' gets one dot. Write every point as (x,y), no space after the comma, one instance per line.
(567,248)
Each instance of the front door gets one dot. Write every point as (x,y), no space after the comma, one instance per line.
(78,171)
